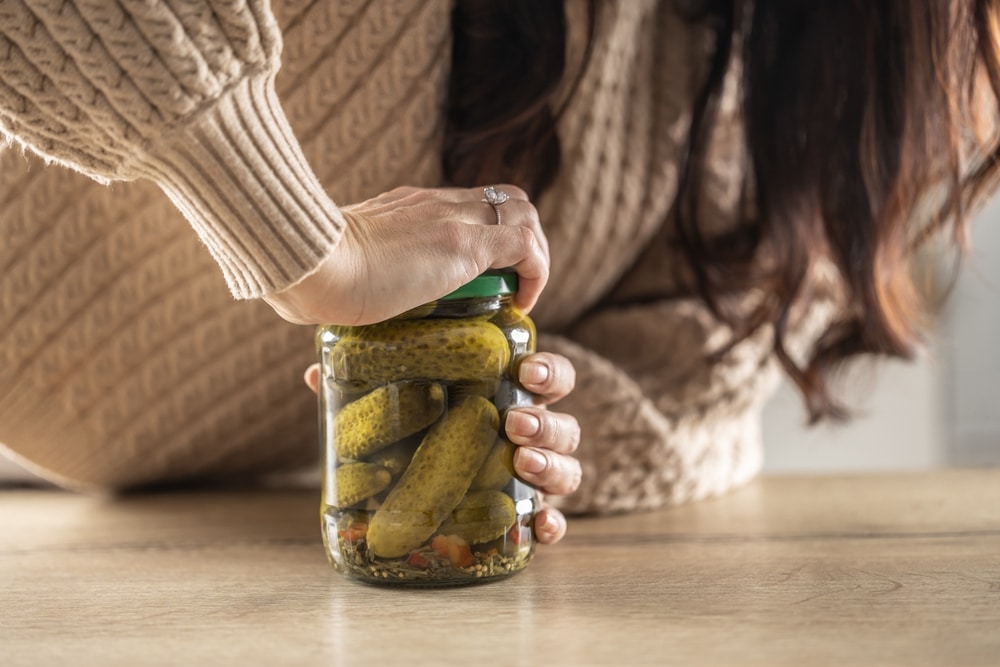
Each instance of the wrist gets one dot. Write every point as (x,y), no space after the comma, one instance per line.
(237,174)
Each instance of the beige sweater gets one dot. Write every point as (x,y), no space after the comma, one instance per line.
(123,358)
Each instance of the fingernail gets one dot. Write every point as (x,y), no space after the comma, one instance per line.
(530,461)
(523,424)
(533,374)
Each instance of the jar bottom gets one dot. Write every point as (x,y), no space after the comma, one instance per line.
(443,561)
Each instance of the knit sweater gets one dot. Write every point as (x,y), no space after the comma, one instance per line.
(124,360)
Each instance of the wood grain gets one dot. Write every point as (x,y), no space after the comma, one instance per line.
(852,570)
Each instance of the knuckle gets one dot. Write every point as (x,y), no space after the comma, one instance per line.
(514,191)
(568,476)
(550,433)
(531,213)
(558,432)
(525,210)
(527,239)
(576,478)
(456,240)
(575,435)
(566,373)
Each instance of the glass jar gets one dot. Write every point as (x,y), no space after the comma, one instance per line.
(418,483)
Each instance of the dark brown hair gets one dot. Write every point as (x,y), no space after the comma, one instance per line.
(859,120)
(507,61)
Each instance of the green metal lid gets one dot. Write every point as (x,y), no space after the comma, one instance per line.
(490,283)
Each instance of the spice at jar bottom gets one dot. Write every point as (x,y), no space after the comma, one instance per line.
(418,480)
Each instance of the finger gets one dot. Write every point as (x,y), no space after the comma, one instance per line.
(549,472)
(518,210)
(311,377)
(550,525)
(447,255)
(518,242)
(502,246)
(427,261)
(540,428)
(549,376)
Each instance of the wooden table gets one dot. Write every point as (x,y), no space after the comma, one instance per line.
(853,570)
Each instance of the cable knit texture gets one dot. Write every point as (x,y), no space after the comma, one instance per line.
(125,361)
(181,93)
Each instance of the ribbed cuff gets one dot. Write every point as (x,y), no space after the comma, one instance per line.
(238,175)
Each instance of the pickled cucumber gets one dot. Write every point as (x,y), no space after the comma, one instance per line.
(358,481)
(395,457)
(446,349)
(498,468)
(384,416)
(437,478)
(481,516)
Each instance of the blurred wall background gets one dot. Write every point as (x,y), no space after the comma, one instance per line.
(942,410)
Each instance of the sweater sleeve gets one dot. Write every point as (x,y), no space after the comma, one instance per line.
(669,412)
(652,438)
(180,92)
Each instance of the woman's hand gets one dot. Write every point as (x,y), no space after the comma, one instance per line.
(413,245)
(545,439)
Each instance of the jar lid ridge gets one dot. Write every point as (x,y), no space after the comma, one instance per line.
(495,282)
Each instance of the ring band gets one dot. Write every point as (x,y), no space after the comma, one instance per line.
(495,197)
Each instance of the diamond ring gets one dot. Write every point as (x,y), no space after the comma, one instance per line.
(494,197)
